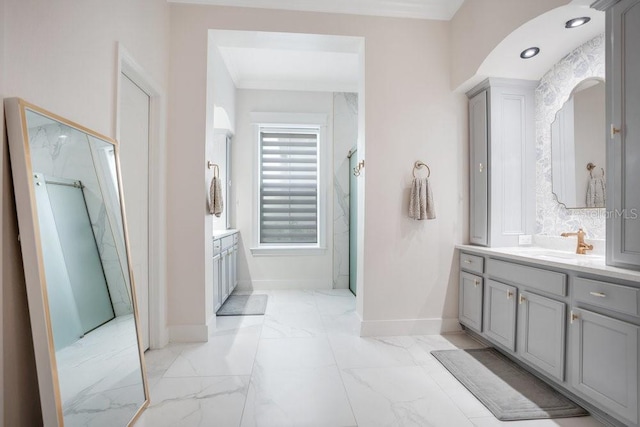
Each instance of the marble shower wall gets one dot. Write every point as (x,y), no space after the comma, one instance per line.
(553,91)
(345,137)
(71,158)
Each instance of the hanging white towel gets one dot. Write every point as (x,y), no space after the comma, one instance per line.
(216,204)
(421,204)
(596,190)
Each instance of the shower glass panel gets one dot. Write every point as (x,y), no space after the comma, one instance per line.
(80,252)
(65,319)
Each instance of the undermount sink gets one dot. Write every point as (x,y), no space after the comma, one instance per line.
(551,255)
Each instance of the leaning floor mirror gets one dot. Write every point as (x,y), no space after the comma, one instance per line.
(80,287)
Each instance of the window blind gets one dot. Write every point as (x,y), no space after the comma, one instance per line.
(289,186)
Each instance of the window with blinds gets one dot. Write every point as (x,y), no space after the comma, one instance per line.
(289,185)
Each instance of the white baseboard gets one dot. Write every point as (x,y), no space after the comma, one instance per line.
(261,285)
(373,328)
(189,333)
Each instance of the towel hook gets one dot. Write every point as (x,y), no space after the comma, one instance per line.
(419,165)
(591,166)
(216,168)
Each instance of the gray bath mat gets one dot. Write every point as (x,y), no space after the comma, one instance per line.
(506,389)
(243,305)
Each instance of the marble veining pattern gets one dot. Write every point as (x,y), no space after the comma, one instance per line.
(100,376)
(330,378)
(553,91)
(345,137)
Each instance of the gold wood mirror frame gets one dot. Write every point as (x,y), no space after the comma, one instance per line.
(90,370)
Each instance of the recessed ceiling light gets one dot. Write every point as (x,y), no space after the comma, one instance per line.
(530,52)
(577,22)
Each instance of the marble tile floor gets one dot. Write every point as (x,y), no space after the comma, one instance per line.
(303,364)
(100,377)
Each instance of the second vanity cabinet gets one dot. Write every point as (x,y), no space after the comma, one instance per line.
(578,330)
(225,255)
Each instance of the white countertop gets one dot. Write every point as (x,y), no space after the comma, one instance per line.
(217,234)
(593,264)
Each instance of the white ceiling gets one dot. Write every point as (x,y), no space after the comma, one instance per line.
(547,32)
(288,61)
(310,62)
(419,9)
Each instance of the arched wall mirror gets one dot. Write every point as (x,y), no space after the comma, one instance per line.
(578,150)
(80,287)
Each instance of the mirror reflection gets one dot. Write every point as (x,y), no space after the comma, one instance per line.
(578,147)
(87,275)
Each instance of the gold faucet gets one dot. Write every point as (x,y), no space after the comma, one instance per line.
(582,246)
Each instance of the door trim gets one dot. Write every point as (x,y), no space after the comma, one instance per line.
(127,65)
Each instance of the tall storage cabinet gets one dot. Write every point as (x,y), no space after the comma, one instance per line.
(502,161)
(623,149)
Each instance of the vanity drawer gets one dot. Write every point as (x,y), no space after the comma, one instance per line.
(472,263)
(227,242)
(622,299)
(216,246)
(536,278)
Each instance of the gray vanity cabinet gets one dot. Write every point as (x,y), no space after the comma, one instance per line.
(541,333)
(578,330)
(623,149)
(225,278)
(605,362)
(502,161)
(500,313)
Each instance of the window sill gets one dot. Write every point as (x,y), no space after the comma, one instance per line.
(288,251)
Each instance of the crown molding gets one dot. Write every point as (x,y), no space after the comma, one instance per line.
(442,10)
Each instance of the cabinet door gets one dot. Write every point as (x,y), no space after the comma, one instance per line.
(234,267)
(623,149)
(604,365)
(500,313)
(224,274)
(217,288)
(541,333)
(470,301)
(479,196)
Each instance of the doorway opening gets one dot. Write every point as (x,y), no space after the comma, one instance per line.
(268,83)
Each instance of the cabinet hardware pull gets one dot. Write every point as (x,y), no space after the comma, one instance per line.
(509,294)
(476,282)
(598,294)
(480,167)
(467,261)
(522,299)
(574,316)
(614,131)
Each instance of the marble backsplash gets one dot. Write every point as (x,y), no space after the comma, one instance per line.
(345,136)
(553,91)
